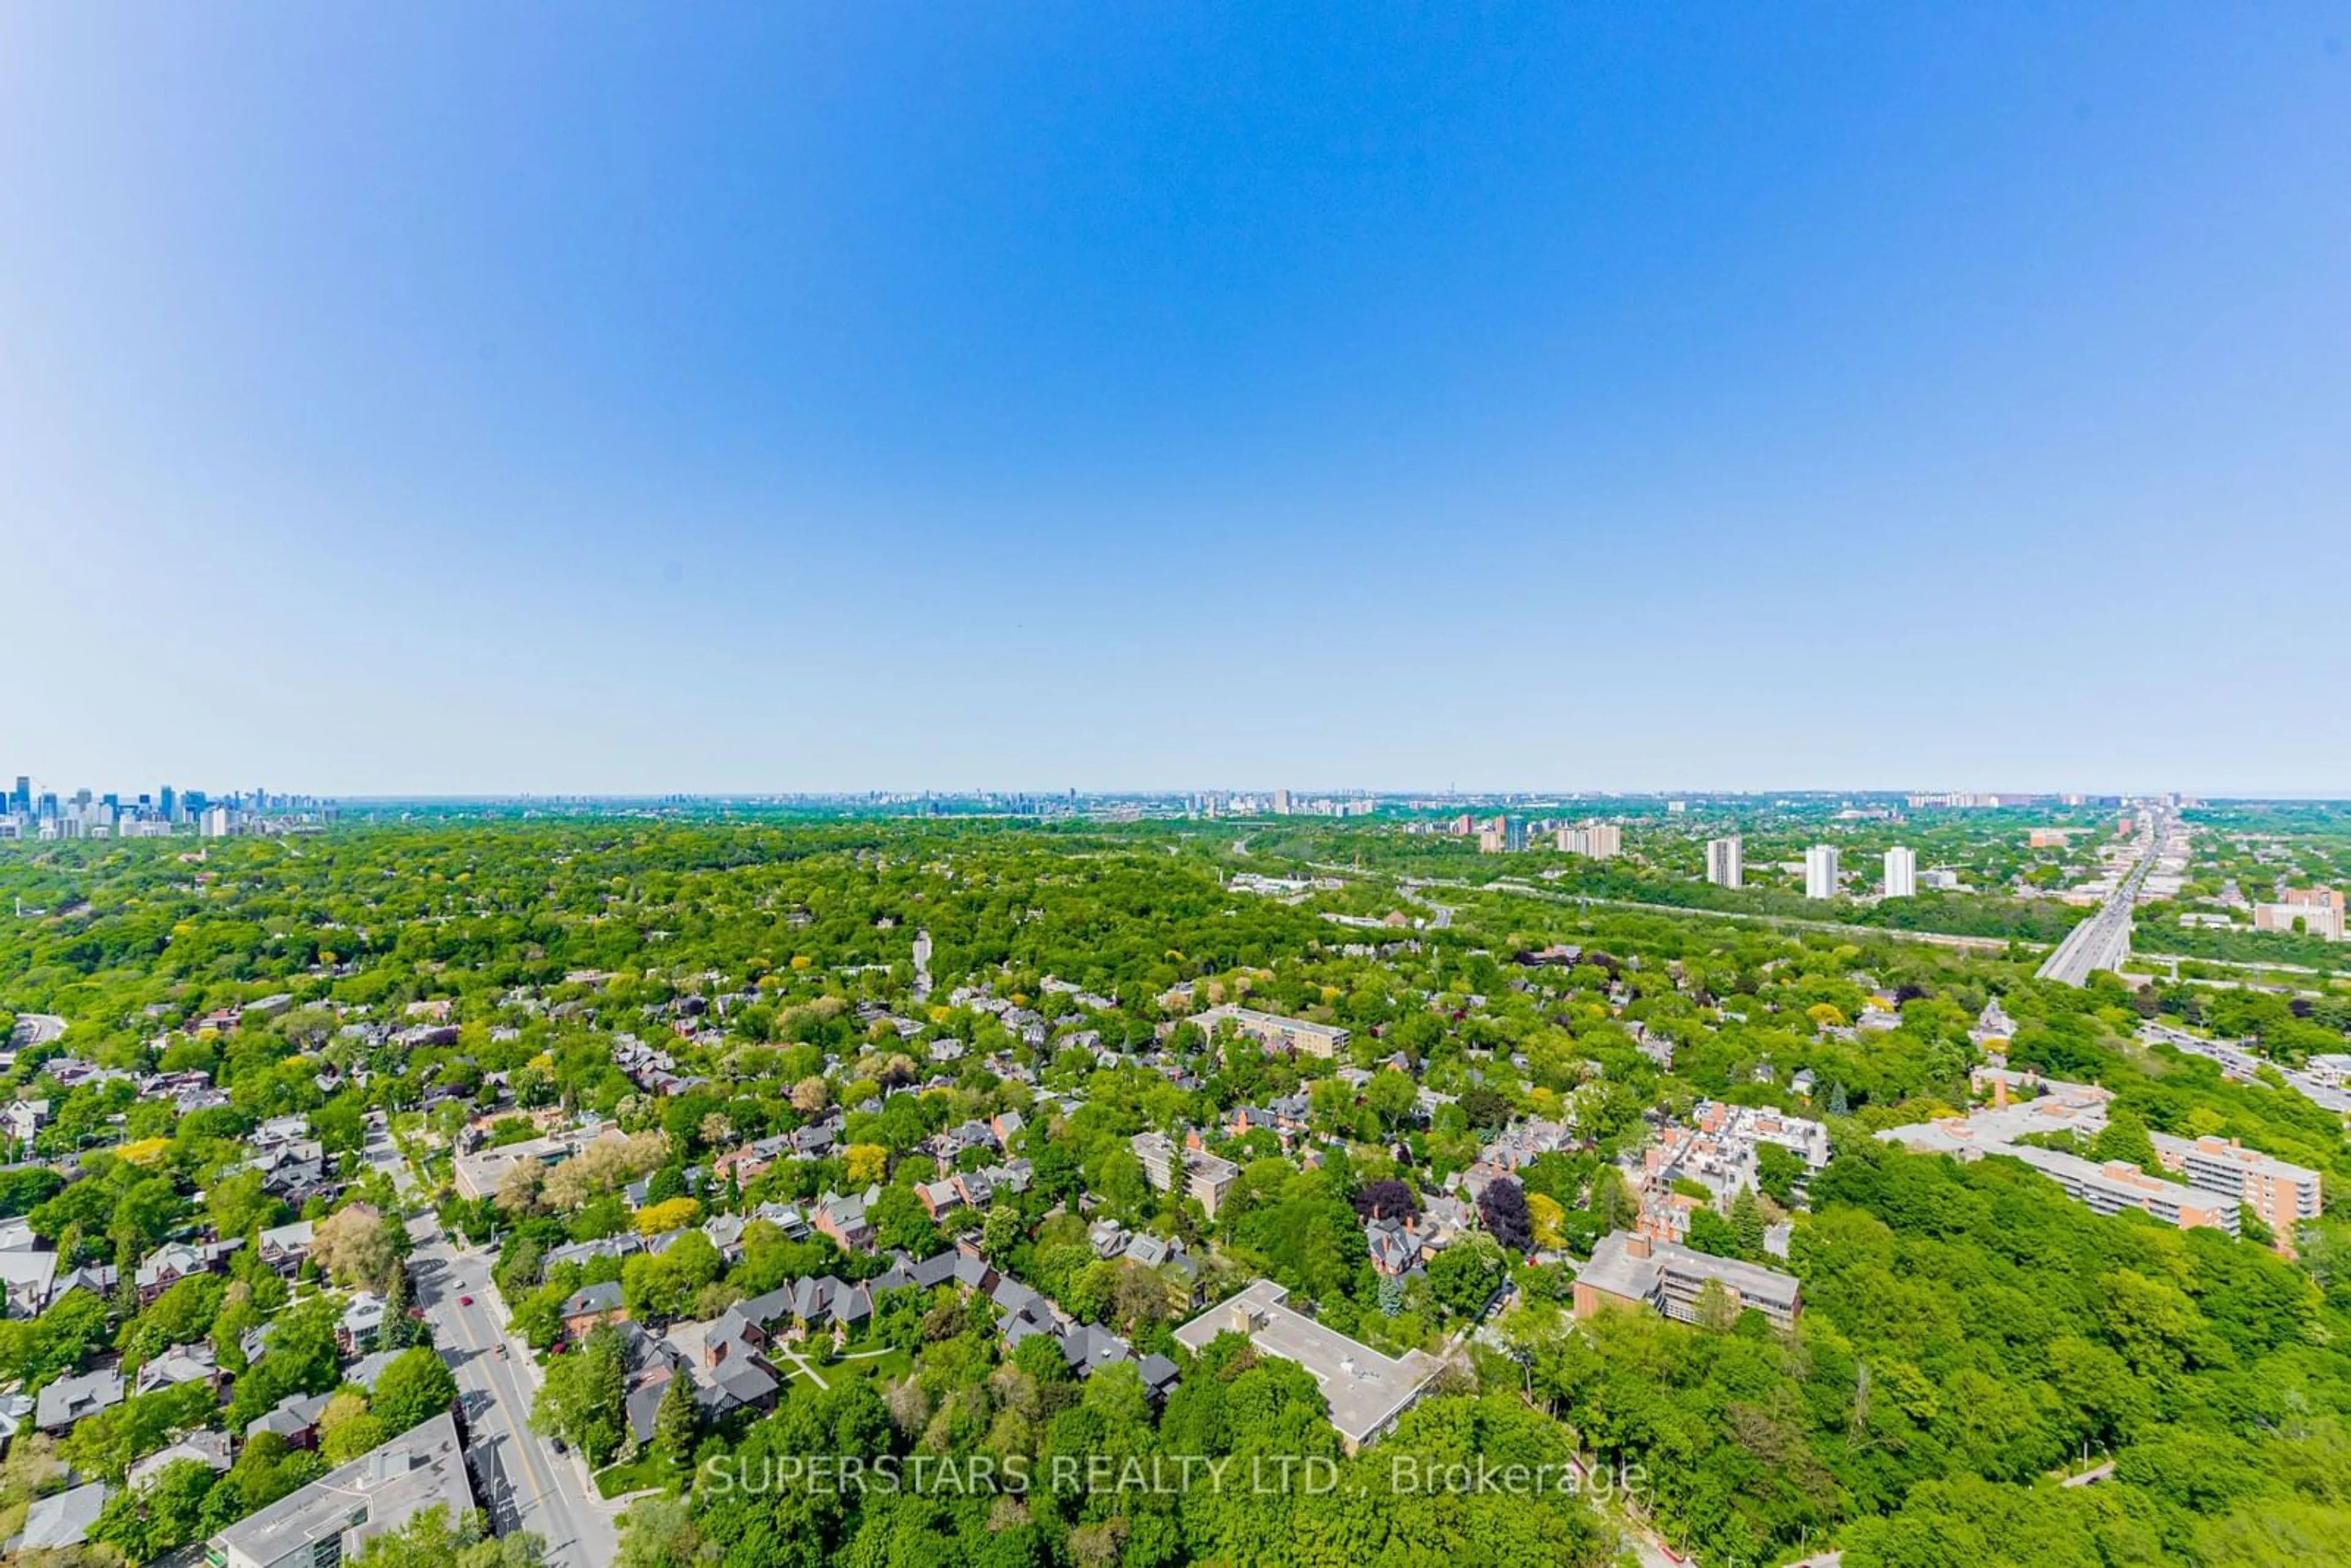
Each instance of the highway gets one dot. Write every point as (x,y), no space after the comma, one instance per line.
(1518,887)
(517,1477)
(2103,941)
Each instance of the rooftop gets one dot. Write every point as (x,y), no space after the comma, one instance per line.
(380,1491)
(1365,1390)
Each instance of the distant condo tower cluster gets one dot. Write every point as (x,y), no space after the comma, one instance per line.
(32,811)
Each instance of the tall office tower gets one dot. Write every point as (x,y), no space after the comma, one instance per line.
(169,804)
(1725,863)
(1603,841)
(1514,833)
(1821,872)
(20,800)
(1901,872)
(1282,802)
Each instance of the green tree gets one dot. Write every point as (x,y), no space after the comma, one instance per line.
(2125,1138)
(677,1421)
(580,1401)
(1747,1223)
(660,1532)
(413,1387)
(168,1513)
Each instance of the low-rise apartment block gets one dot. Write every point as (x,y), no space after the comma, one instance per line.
(1717,1152)
(2221,1177)
(1629,1270)
(1172,1168)
(1299,1036)
(2116,1185)
(1367,1391)
(329,1521)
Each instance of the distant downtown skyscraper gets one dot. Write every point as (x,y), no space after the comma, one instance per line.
(1901,872)
(1725,863)
(1821,872)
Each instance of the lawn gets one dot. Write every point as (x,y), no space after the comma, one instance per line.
(889,1365)
(881,1362)
(616,1480)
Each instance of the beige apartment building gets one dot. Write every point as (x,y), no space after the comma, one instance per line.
(1170,1167)
(1300,1036)
(2282,1195)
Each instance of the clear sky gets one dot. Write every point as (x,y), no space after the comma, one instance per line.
(485,397)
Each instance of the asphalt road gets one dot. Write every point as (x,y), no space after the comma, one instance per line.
(36,1028)
(2103,941)
(517,1477)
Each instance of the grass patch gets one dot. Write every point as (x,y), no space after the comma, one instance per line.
(653,1470)
(890,1366)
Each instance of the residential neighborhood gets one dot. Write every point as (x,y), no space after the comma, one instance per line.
(517,1252)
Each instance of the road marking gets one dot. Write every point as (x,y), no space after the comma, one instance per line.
(517,1438)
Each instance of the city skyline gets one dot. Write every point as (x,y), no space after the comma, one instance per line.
(1640,400)
(1275,800)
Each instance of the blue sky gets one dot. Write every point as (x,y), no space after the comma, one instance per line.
(634,398)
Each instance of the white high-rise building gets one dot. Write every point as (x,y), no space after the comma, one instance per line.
(1901,872)
(1821,872)
(1282,802)
(1726,864)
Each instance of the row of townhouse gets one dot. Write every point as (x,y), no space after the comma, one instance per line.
(731,1360)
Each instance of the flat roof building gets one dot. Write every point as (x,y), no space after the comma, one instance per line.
(477,1173)
(2280,1194)
(1598,840)
(2117,1184)
(331,1519)
(1206,1177)
(1276,1033)
(1901,873)
(1630,1270)
(2311,911)
(1367,1391)
(1821,872)
(2217,1175)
